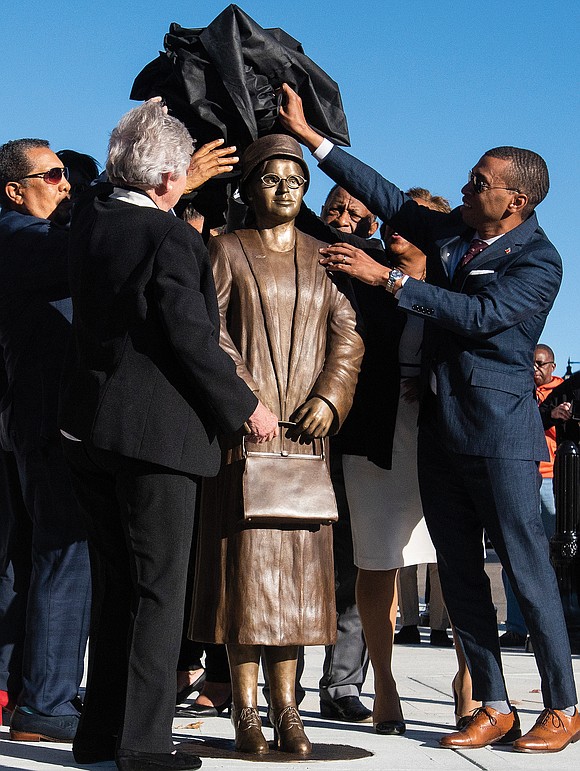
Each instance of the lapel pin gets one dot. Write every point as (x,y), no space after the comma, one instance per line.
(507,251)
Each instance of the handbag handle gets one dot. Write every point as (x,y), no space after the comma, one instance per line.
(284,453)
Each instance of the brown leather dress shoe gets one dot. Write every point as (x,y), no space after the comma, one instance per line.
(485,726)
(552,732)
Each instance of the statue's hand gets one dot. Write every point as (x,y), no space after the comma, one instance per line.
(313,420)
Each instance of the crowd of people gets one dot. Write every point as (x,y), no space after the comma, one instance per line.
(150,360)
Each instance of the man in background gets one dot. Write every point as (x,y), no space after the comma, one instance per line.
(545,382)
(344,218)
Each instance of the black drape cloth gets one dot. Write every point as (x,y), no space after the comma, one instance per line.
(221,81)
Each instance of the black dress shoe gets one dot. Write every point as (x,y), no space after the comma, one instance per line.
(97,755)
(407,635)
(96,750)
(347,708)
(440,638)
(130,760)
(30,726)
(197,685)
(204,710)
(391,728)
(512,640)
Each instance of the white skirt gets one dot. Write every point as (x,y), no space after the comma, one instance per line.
(388,528)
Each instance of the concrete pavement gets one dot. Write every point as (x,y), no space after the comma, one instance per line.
(423,675)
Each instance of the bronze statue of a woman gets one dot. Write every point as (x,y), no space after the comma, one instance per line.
(292,333)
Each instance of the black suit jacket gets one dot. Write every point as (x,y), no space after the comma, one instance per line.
(369,427)
(147,378)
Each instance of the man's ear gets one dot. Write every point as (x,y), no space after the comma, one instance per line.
(373,228)
(165,185)
(519,202)
(12,191)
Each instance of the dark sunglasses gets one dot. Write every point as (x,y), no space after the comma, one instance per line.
(52,176)
(480,186)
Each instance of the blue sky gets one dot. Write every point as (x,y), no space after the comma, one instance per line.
(427,86)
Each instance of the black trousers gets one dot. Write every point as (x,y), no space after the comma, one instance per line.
(217,668)
(140,523)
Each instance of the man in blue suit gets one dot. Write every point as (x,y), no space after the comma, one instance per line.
(44,559)
(492,279)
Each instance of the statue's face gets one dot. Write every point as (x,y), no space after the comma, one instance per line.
(278,203)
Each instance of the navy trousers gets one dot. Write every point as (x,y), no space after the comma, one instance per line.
(462,496)
(58,590)
(15,568)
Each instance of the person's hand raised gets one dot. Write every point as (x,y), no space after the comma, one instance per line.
(292,117)
(210,160)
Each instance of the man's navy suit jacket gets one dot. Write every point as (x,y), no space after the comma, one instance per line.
(34,334)
(482,324)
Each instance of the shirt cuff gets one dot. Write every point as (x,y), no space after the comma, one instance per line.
(400,289)
(322,150)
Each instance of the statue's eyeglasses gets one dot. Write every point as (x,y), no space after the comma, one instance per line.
(294,181)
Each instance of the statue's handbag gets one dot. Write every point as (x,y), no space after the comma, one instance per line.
(288,488)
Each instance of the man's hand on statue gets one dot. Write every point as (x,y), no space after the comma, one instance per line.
(292,117)
(263,425)
(313,421)
(562,411)
(210,160)
(344,258)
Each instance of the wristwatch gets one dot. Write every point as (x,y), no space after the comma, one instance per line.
(394,276)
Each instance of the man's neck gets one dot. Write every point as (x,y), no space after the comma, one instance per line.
(492,229)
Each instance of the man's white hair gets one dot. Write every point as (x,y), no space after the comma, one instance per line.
(145,144)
